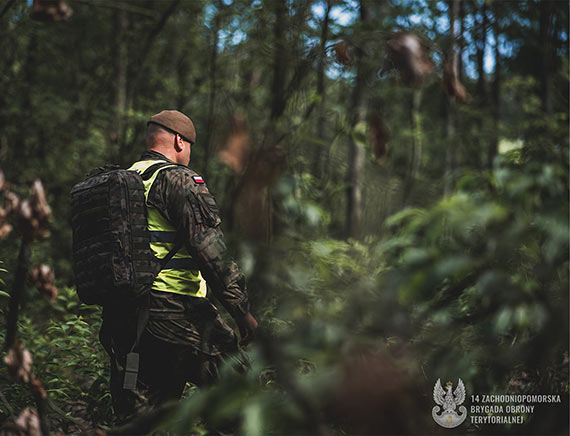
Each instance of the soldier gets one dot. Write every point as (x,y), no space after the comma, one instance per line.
(185,339)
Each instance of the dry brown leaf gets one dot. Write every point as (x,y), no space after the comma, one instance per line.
(35,213)
(19,363)
(342,53)
(5,230)
(379,135)
(26,424)
(12,202)
(407,53)
(451,84)
(236,153)
(43,279)
(51,10)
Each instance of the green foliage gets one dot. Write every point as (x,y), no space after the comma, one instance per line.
(473,284)
(486,262)
(67,358)
(2,282)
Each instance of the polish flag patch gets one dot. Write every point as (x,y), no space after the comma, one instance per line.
(198,180)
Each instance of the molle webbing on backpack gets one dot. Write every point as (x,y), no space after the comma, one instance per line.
(110,237)
(180,275)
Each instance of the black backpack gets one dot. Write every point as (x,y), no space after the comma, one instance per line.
(111,243)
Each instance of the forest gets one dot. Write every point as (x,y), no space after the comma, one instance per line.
(392,178)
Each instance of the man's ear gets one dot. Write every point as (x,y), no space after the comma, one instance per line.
(178,143)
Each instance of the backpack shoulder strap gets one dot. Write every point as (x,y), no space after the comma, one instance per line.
(148,173)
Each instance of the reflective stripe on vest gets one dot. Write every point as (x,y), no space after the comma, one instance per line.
(180,275)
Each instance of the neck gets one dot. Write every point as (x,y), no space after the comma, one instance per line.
(166,152)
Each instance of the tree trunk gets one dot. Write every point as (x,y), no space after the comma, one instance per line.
(356,153)
(354,191)
(17,294)
(450,160)
(210,123)
(546,30)
(140,71)
(279,61)
(321,93)
(461,41)
(494,145)
(481,45)
(6,7)
(450,116)
(416,157)
(121,67)
(30,73)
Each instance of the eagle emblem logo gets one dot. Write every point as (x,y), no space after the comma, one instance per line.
(449,418)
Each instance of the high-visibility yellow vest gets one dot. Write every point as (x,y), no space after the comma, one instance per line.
(177,276)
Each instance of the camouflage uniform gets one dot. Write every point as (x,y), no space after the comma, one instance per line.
(185,338)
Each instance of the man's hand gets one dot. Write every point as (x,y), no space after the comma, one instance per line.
(247,326)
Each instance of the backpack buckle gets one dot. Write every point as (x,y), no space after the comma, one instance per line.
(131,371)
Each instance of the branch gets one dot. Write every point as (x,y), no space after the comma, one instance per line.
(19,366)
(17,291)
(144,423)
(275,358)
(450,294)
(7,6)
(142,56)
(77,421)
(151,37)
(7,404)
(40,395)
(301,70)
(120,6)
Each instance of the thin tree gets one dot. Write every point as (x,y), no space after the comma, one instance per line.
(321,94)
(496,91)
(461,41)
(121,71)
(481,45)
(450,113)
(279,61)
(546,60)
(210,123)
(356,153)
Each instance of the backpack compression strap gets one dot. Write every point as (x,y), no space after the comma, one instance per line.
(143,314)
(147,174)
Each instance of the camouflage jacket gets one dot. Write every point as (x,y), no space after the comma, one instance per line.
(182,197)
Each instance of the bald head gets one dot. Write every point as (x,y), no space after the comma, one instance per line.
(158,137)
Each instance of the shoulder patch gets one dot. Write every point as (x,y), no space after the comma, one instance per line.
(198,180)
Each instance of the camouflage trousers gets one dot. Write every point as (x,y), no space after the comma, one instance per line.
(164,369)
